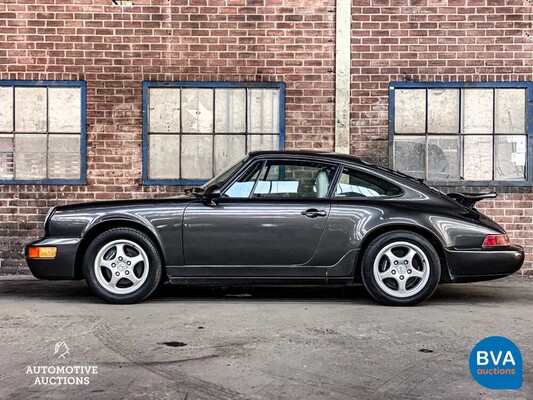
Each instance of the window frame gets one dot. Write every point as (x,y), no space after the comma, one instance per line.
(469,85)
(83,131)
(147,85)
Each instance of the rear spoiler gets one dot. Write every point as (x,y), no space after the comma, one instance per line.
(470,199)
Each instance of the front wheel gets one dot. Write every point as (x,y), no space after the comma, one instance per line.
(122,265)
(400,268)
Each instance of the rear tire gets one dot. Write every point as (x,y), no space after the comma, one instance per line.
(400,268)
(122,265)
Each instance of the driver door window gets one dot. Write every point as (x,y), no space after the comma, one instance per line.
(278,179)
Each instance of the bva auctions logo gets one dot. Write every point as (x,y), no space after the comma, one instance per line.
(496,363)
(62,349)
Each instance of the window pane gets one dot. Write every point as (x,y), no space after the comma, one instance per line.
(443,156)
(410,155)
(64,156)
(510,157)
(30,156)
(230,110)
(359,184)
(30,109)
(263,142)
(443,111)
(164,156)
(244,185)
(6,109)
(6,158)
(510,111)
(410,111)
(263,111)
(478,110)
(477,158)
(228,150)
(294,180)
(197,110)
(196,156)
(64,110)
(164,110)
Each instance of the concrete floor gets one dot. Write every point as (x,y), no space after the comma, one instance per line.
(260,343)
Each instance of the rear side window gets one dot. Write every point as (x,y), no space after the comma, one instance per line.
(354,183)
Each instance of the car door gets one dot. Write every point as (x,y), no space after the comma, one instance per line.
(273,214)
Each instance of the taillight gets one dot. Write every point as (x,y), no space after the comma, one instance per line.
(496,241)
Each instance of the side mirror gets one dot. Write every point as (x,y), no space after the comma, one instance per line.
(211,194)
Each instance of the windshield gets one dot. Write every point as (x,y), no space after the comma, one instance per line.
(223,176)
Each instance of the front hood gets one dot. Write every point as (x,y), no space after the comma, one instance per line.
(125,203)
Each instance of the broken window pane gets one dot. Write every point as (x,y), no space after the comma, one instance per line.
(6,109)
(197,110)
(263,111)
(30,156)
(197,156)
(410,111)
(30,109)
(230,110)
(443,158)
(410,155)
(510,157)
(263,142)
(443,110)
(64,157)
(64,110)
(228,150)
(510,111)
(477,158)
(6,157)
(164,110)
(164,156)
(477,110)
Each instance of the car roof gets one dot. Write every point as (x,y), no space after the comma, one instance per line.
(310,153)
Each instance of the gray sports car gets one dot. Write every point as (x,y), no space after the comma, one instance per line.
(280,218)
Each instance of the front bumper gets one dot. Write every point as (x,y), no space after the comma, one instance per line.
(63,266)
(480,265)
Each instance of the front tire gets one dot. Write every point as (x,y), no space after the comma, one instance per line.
(400,268)
(122,265)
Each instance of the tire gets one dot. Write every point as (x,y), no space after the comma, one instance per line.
(400,268)
(122,266)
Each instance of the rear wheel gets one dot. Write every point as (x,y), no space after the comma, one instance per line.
(400,268)
(122,265)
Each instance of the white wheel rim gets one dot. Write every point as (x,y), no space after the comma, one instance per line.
(401,269)
(121,266)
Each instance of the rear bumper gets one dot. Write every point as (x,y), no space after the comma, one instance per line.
(63,266)
(480,265)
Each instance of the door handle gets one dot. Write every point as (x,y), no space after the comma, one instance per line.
(313,213)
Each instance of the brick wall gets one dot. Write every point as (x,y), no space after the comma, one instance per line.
(440,41)
(115,48)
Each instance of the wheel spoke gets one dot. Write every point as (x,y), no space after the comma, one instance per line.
(107,264)
(386,274)
(120,251)
(390,255)
(409,256)
(416,273)
(135,260)
(132,278)
(401,285)
(114,280)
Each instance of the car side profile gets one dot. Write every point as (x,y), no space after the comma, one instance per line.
(280,218)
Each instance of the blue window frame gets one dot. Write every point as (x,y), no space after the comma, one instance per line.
(43,132)
(462,133)
(192,131)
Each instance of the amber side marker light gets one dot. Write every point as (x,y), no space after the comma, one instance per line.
(42,252)
(496,241)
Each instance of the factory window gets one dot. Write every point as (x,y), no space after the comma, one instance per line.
(449,133)
(194,130)
(42,132)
